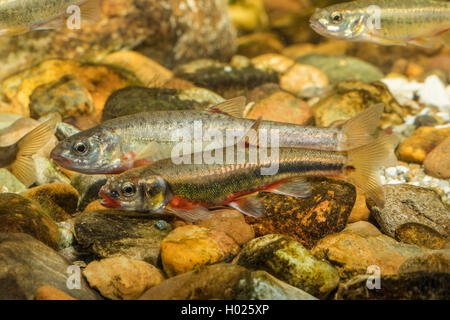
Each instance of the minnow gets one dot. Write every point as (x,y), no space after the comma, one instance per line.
(21,16)
(386,22)
(127,142)
(188,190)
(18,156)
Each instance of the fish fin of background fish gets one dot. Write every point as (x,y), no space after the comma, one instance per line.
(444,38)
(359,130)
(23,167)
(387,42)
(250,206)
(365,163)
(298,188)
(91,10)
(234,107)
(423,42)
(54,24)
(13,31)
(191,215)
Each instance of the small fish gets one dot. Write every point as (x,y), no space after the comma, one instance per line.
(386,22)
(127,142)
(188,190)
(18,156)
(21,16)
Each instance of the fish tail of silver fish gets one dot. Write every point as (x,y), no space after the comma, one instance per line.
(365,162)
(358,131)
(23,166)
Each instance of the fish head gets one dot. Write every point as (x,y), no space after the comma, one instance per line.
(130,193)
(339,22)
(94,151)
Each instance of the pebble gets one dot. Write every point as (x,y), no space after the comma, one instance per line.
(232,223)
(402,286)
(300,78)
(416,148)
(437,162)
(420,235)
(282,107)
(21,215)
(342,68)
(111,233)
(9,183)
(121,278)
(407,203)
(28,264)
(351,253)
(309,219)
(57,200)
(189,247)
(51,293)
(289,261)
(272,62)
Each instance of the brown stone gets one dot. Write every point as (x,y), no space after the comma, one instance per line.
(189,247)
(300,78)
(231,222)
(58,200)
(419,235)
(121,278)
(51,293)
(416,148)
(352,253)
(20,215)
(307,219)
(437,162)
(283,107)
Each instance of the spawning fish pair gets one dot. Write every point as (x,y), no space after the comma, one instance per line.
(386,22)
(188,190)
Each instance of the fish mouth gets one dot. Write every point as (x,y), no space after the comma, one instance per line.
(107,200)
(316,25)
(60,160)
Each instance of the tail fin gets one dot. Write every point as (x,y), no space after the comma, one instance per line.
(358,130)
(367,160)
(23,167)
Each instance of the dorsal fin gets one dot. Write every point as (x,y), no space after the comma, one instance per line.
(233,107)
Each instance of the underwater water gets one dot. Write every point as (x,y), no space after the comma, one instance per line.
(123,123)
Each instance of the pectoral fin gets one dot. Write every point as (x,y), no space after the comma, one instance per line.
(53,24)
(298,188)
(191,215)
(423,42)
(250,206)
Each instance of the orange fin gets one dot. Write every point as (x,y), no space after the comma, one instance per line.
(423,42)
(233,107)
(250,206)
(297,188)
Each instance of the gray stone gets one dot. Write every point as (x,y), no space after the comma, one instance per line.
(27,264)
(110,233)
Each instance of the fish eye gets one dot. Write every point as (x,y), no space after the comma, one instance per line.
(80,147)
(128,189)
(336,17)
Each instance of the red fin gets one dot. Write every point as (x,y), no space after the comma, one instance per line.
(141,163)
